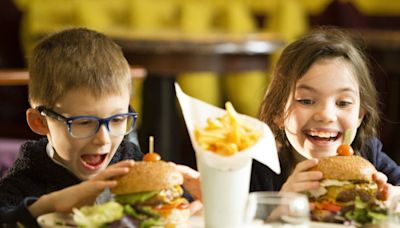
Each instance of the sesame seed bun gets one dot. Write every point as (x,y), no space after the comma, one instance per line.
(148,176)
(345,168)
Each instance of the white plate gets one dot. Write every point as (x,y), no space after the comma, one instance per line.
(198,222)
(59,220)
(56,220)
(327,225)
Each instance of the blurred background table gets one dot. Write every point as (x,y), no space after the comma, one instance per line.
(13,77)
(21,21)
(165,55)
(383,48)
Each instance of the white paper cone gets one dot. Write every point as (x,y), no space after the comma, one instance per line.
(225,180)
(196,112)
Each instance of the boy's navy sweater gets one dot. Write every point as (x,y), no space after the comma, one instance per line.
(34,174)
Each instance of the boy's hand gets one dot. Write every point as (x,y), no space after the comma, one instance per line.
(301,179)
(81,194)
(384,188)
(192,184)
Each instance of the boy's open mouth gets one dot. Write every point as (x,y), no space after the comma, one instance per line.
(93,161)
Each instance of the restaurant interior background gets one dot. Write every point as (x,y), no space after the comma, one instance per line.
(22,21)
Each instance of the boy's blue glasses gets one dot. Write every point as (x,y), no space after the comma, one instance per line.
(86,126)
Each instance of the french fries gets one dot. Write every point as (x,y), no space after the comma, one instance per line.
(226,135)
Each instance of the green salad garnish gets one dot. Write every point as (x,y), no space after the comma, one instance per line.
(98,215)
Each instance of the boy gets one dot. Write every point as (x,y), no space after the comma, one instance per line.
(79,92)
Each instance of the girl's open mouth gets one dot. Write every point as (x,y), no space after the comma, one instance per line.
(322,137)
(93,161)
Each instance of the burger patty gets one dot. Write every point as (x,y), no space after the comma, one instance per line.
(351,194)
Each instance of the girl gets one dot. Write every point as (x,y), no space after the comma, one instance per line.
(321,87)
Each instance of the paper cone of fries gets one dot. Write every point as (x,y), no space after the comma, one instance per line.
(225,168)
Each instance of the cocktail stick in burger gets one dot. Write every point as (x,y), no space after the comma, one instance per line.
(345,149)
(151,155)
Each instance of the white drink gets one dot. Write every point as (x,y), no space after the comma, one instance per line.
(224,194)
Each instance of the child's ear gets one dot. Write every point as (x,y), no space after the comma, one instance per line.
(36,122)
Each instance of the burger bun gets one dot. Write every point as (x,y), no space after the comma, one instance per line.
(148,176)
(345,168)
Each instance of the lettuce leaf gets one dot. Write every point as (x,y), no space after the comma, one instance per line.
(98,215)
(367,212)
(135,198)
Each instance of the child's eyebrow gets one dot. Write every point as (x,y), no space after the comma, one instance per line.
(312,89)
(305,87)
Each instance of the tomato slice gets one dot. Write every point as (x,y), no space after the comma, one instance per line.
(183,206)
(330,207)
(166,207)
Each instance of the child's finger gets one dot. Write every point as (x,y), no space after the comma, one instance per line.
(305,165)
(383,188)
(125,163)
(195,207)
(308,176)
(100,185)
(303,181)
(187,171)
(108,184)
(111,172)
(300,186)
(191,180)
(383,193)
(379,178)
(114,170)
(305,186)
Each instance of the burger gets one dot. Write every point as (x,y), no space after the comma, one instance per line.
(149,195)
(347,193)
(152,192)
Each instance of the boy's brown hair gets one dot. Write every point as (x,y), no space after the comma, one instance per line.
(294,62)
(76,58)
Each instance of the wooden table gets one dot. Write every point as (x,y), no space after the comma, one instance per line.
(13,77)
(165,55)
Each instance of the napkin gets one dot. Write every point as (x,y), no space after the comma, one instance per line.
(196,112)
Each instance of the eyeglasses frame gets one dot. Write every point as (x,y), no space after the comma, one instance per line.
(44,111)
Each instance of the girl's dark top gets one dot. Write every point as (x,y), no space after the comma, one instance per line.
(264,179)
(34,174)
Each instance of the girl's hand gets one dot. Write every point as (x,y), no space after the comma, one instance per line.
(384,189)
(192,184)
(84,193)
(301,179)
